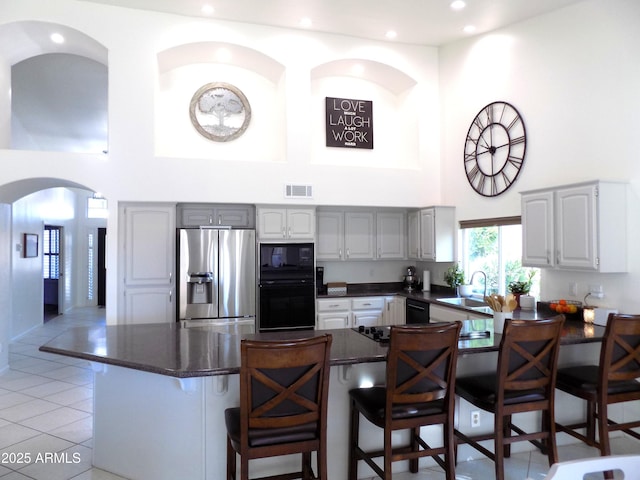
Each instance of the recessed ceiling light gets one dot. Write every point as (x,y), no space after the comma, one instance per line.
(391,34)
(458,5)
(207,9)
(305,22)
(469,29)
(57,38)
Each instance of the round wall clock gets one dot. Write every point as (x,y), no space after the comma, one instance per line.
(220,112)
(494,149)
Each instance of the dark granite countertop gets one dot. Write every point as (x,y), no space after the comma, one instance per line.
(173,350)
(437,292)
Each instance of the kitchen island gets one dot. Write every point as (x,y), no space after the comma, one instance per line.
(161,390)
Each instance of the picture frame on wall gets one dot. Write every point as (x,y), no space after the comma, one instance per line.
(30,245)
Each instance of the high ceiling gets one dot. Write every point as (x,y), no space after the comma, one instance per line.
(421,22)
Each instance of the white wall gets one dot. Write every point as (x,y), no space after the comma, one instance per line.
(574,77)
(5,284)
(572,74)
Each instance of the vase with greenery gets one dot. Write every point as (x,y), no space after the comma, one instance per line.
(454,276)
(521,287)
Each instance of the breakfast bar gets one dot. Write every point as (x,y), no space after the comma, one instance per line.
(161,390)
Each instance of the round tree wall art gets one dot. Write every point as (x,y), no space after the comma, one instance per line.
(220,112)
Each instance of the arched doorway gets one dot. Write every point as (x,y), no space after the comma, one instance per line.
(27,206)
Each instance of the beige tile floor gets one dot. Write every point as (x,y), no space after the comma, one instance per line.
(46,405)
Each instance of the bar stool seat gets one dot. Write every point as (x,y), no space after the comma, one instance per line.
(612,381)
(283,405)
(419,391)
(524,381)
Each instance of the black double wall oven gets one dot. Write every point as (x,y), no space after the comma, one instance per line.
(286,287)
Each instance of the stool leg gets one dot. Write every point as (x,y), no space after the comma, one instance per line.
(231,461)
(321,458)
(387,454)
(603,429)
(507,433)
(591,423)
(499,447)
(450,444)
(353,442)
(548,422)
(413,463)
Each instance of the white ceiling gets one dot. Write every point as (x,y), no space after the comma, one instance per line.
(421,22)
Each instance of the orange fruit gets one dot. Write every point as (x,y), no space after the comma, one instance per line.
(562,302)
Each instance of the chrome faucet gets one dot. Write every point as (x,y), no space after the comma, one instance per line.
(485,281)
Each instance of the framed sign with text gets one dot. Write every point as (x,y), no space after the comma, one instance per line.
(349,123)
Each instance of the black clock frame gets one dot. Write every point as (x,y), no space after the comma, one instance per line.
(495,149)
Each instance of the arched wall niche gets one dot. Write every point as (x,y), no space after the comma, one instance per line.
(51,80)
(394,96)
(21,40)
(184,69)
(385,75)
(221,53)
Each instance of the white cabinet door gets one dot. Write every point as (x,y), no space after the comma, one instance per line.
(286,223)
(148,305)
(272,223)
(390,235)
(576,227)
(327,321)
(359,235)
(395,311)
(444,314)
(147,242)
(301,224)
(538,229)
(584,226)
(413,235)
(367,319)
(438,234)
(330,245)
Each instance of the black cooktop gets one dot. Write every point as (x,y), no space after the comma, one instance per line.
(378,334)
(381,334)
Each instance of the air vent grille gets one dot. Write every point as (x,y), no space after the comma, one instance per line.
(298,191)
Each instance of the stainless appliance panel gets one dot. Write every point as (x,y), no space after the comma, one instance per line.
(198,267)
(237,279)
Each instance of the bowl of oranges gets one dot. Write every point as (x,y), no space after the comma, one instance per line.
(565,306)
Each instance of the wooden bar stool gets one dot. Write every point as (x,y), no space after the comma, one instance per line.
(420,376)
(524,382)
(283,405)
(612,381)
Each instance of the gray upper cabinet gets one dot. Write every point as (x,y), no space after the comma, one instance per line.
(214,215)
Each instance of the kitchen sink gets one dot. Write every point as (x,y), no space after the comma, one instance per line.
(464,301)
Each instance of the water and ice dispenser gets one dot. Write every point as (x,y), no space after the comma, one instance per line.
(200,288)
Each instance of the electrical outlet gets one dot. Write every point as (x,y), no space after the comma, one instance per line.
(596,291)
(475,418)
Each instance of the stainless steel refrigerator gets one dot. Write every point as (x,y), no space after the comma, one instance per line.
(217,278)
